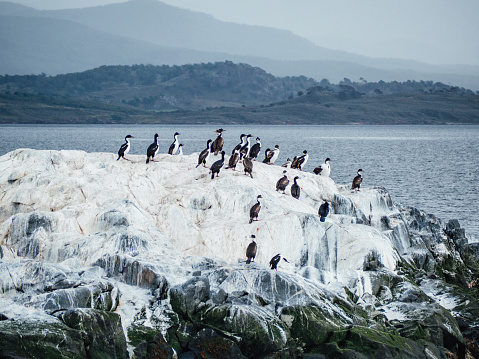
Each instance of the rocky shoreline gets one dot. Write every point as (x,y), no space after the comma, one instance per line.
(115,259)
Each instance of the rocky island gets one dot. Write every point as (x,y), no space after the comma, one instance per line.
(114,259)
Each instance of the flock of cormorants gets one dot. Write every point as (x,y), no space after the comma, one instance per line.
(244,152)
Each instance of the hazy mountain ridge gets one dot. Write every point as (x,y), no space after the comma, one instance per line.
(171,35)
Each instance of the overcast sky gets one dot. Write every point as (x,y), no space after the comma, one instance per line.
(433,31)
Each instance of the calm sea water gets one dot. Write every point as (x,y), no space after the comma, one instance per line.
(433,168)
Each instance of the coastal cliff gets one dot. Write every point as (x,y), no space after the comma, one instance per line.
(116,259)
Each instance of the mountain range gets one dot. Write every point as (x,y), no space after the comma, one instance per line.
(151,32)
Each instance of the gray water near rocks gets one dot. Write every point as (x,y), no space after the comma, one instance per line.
(433,168)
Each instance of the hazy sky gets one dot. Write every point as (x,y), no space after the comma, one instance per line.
(433,31)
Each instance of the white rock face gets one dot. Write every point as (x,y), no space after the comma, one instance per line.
(148,224)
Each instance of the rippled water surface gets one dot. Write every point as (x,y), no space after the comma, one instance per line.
(433,168)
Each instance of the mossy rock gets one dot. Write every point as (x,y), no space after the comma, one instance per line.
(209,344)
(153,347)
(34,339)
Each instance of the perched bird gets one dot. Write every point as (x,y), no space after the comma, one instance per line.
(254,151)
(203,157)
(273,263)
(323,211)
(248,166)
(216,167)
(300,161)
(295,190)
(323,169)
(218,143)
(275,155)
(180,149)
(287,164)
(152,150)
(282,183)
(357,180)
(251,250)
(241,144)
(174,146)
(254,211)
(267,155)
(125,148)
(234,158)
(244,152)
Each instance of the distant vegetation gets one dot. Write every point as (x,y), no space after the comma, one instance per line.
(224,92)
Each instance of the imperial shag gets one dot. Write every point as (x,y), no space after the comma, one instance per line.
(357,180)
(300,161)
(203,157)
(273,263)
(248,166)
(295,189)
(241,144)
(244,152)
(254,152)
(282,182)
(125,148)
(152,150)
(234,158)
(218,143)
(180,150)
(254,211)
(251,250)
(287,164)
(267,155)
(323,169)
(174,146)
(217,166)
(323,211)
(275,155)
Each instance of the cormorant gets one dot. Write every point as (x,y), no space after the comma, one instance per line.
(125,148)
(357,180)
(273,263)
(234,158)
(218,143)
(216,167)
(244,152)
(254,152)
(282,182)
(174,145)
(287,164)
(152,150)
(180,149)
(300,161)
(267,155)
(203,157)
(251,250)
(253,212)
(295,189)
(241,144)
(275,155)
(323,211)
(248,166)
(323,169)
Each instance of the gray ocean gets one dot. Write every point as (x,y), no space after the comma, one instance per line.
(432,168)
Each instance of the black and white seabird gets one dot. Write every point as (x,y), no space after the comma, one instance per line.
(251,250)
(300,162)
(267,155)
(152,150)
(295,189)
(287,164)
(174,146)
(217,166)
(203,157)
(323,211)
(180,149)
(254,151)
(254,211)
(282,183)
(241,144)
(234,158)
(273,263)
(217,145)
(357,180)
(275,155)
(244,152)
(323,169)
(248,166)
(125,148)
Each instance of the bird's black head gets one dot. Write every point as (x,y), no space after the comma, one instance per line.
(284,172)
(223,153)
(259,196)
(242,135)
(258,139)
(327,160)
(250,135)
(220,130)
(180,145)
(129,136)
(360,170)
(156,136)
(296,178)
(176,134)
(209,141)
(305,151)
(276,146)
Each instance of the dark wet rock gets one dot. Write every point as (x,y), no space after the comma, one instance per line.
(37,339)
(188,299)
(101,331)
(153,345)
(209,344)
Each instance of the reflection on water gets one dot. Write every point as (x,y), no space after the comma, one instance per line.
(434,168)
